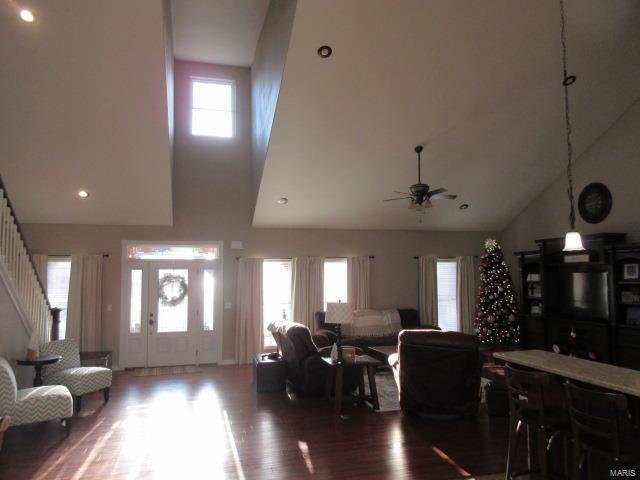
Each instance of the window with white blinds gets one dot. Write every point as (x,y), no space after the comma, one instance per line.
(335,281)
(447,291)
(276,295)
(58,275)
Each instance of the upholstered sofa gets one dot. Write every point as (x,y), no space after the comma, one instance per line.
(409,319)
(306,371)
(437,372)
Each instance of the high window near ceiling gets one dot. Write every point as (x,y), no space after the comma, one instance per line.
(335,281)
(276,295)
(212,108)
(58,277)
(447,295)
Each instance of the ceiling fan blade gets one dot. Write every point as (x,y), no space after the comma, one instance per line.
(443,197)
(437,191)
(401,193)
(399,198)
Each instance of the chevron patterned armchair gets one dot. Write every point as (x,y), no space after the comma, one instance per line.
(68,371)
(32,405)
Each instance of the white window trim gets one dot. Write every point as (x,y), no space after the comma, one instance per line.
(218,81)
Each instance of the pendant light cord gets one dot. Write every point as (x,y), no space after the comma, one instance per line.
(567,81)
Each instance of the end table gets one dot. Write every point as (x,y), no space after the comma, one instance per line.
(335,376)
(38,363)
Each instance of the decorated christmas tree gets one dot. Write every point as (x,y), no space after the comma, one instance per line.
(496,310)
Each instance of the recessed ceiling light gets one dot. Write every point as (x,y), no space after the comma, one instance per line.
(464,206)
(325,51)
(83,194)
(27,15)
(282,201)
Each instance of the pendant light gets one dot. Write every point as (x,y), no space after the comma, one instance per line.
(573,240)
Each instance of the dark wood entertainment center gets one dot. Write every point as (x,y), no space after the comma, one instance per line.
(583,303)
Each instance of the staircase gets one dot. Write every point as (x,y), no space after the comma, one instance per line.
(19,275)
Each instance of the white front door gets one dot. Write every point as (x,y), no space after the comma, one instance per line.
(172,312)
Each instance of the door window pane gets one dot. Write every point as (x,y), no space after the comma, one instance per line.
(58,275)
(447,291)
(135,304)
(208,283)
(276,295)
(173,300)
(335,281)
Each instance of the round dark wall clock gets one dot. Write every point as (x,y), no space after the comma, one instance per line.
(594,203)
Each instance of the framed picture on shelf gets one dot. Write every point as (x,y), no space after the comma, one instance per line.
(627,297)
(633,316)
(631,271)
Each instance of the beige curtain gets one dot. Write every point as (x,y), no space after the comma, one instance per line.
(249,334)
(91,325)
(428,289)
(41,264)
(74,303)
(359,282)
(307,289)
(466,293)
(84,310)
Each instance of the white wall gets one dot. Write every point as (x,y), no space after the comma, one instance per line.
(613,159)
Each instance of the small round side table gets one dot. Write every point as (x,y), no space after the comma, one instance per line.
(38,363)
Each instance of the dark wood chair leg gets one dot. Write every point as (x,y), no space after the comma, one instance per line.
(106,395)
(543,459)
(5,422)
(512,449)
(77,403)
(67,426)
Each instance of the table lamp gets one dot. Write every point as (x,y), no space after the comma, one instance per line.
(339,314)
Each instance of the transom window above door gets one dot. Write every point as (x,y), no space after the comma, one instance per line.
(173,252)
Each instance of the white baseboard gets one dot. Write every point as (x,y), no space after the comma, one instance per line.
(227,362)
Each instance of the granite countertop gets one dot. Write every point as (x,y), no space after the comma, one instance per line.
(603,375)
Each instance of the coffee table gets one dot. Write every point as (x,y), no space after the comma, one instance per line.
(383,351)
(336,374)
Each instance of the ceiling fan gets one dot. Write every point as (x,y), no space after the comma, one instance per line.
(420,195)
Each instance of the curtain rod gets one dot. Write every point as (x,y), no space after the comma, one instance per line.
(326,258)
(104,255)
(416,257)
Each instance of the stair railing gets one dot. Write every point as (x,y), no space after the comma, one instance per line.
(17,269)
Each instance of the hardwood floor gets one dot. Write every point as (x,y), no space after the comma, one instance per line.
(213,425)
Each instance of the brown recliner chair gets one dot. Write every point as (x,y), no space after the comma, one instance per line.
(437,372)
(306,371)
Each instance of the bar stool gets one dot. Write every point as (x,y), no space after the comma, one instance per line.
(536,401)
(601,426)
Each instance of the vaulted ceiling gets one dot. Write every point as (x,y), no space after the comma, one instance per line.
(224,32)
(477,83)
(84,105)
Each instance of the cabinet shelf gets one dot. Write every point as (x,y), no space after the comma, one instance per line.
(629,282)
